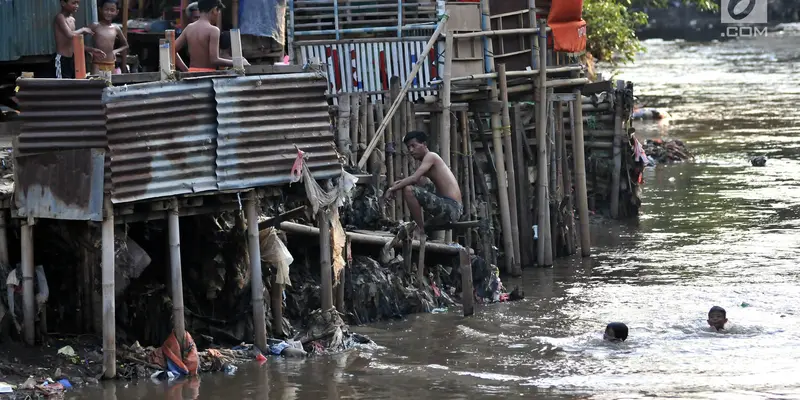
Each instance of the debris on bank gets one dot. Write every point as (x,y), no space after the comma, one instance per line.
(659,151)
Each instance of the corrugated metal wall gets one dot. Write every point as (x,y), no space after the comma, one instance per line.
(261,120)
(26,26)
(162,139)
(359,67)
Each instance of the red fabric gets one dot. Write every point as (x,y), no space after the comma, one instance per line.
(569,29)
(187,360)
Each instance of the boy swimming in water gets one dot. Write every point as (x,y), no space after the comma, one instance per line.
(717,318)
(616,332)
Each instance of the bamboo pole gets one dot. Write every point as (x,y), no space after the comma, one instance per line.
(256,279)
(28,296)
(235,14)
(567,186)
(580,172)
(444,129)
(560,191)
(354,124)
(509,158)
(170,37)
(504,32)
(374,166)
(363,124)
(276,306)
(80,56)
(523,190)
(391,153)
(467,289)
(541,140)
(108,291)
(455,167)
(466,178)
(343,128)
(176,273)
(125,10)
(402,122)
(616,172)
(326,269)
(553,189)
(398,144)
(163,59)
(511,74)
(404,90)
(236,51)
(381,140)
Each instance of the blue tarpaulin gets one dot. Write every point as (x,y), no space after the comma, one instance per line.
(263,18)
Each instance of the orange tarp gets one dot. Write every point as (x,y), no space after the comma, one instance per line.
(569,29)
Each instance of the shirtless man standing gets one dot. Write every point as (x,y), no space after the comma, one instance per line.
(203,40)
(64,28)
(444,206)
(105,37)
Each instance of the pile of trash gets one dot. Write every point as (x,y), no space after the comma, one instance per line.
(376,292)
(488,286)
(663,152)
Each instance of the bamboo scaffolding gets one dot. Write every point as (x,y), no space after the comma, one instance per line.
(509,161)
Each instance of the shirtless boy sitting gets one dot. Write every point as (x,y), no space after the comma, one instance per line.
(203,40)
(105,37)
(444,206)
(64,28)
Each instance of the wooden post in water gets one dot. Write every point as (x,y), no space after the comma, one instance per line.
(455,166)
(402,115)
(541,150)
(554,181)
(363,125)
(107,278)
(394,89)
(512,176)
(175,271)
(502,188)
(391,176)
(467,289)
(256,279)
(576,111)
(617,149)
(28,295)
(326,269)
(343,128)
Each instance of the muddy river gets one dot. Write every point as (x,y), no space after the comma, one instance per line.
(714,232)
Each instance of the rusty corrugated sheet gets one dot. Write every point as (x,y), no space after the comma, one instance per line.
(162,139)
(26,26)
(64,184)
(61,114)
(261,118)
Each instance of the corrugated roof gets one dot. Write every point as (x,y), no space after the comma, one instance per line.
(162,139)
(26,26)
(261,118)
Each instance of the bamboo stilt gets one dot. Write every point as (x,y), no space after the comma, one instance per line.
(175,272)
(553,190)
(541,140)
(523,191)
(467,289)
(326,268)
(107,279)
(444,129)
(28,295)
(512,176)
(343,143)
(354,125)
(363,122)
(616,172)
(455,167)
(466,175)
(567,186)
(391,176)
(256,280)
(404,160)
(580,172)
(398,144)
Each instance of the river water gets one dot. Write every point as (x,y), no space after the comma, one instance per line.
(713,232)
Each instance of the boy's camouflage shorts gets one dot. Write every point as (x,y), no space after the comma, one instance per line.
(439,209)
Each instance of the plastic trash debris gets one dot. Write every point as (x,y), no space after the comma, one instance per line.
(65,383)
(50,389)
(67,351)
(6,388)
(260,358)
(230,369)
(163,376)
(745,304)
(438,310)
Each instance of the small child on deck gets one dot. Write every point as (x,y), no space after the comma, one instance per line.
(64,29)
(106,36)
(717,318)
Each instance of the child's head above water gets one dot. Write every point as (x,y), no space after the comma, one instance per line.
(616,332)
(717,318)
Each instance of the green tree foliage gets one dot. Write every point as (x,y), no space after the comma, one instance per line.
(611,26)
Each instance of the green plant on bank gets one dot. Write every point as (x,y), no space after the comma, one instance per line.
(611,26)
